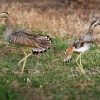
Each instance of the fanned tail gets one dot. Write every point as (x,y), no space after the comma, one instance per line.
(42,44)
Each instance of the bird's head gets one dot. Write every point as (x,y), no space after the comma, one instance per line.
(5,18)
(4,15)
(95,21)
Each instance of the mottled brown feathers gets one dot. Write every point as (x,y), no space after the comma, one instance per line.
(36,41)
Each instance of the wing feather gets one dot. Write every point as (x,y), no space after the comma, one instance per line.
(87,38)
(25,38)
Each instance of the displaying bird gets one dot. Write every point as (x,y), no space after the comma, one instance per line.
(82,44)
(22,37)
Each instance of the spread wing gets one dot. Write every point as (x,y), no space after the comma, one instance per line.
(68,53)
(25,38)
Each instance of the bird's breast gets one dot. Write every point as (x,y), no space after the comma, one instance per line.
(84,48)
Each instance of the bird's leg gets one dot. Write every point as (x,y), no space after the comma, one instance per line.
(80,65)
(25,59)
(21,59)
(82,70)
(80,61)
(24,62)
(77,60)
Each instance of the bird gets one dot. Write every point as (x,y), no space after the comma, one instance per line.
(24,38)
(82,44)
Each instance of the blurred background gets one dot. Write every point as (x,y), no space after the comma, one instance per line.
(64,18)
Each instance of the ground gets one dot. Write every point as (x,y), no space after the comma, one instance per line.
(46,76)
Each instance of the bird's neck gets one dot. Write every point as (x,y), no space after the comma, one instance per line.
(91,29)
(9,26)
(9,29)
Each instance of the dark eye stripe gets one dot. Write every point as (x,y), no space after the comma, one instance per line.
(6,13)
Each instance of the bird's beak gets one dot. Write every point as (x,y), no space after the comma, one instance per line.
(1,16)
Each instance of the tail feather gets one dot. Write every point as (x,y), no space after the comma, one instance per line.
(45,38)
(48,38)
(37,50)
(68,54)
(42,43)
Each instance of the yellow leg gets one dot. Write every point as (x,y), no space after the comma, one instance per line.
(24,61)
(77,60)
(80,65)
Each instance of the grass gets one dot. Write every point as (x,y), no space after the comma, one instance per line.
(47,77)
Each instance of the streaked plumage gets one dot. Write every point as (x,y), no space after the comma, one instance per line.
(82,44)
(39,43)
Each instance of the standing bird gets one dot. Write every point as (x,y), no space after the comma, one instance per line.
(39,43)
(82,44)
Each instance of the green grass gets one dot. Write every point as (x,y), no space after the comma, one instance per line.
(47,77)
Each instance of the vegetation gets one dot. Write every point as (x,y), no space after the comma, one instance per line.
(46,76)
